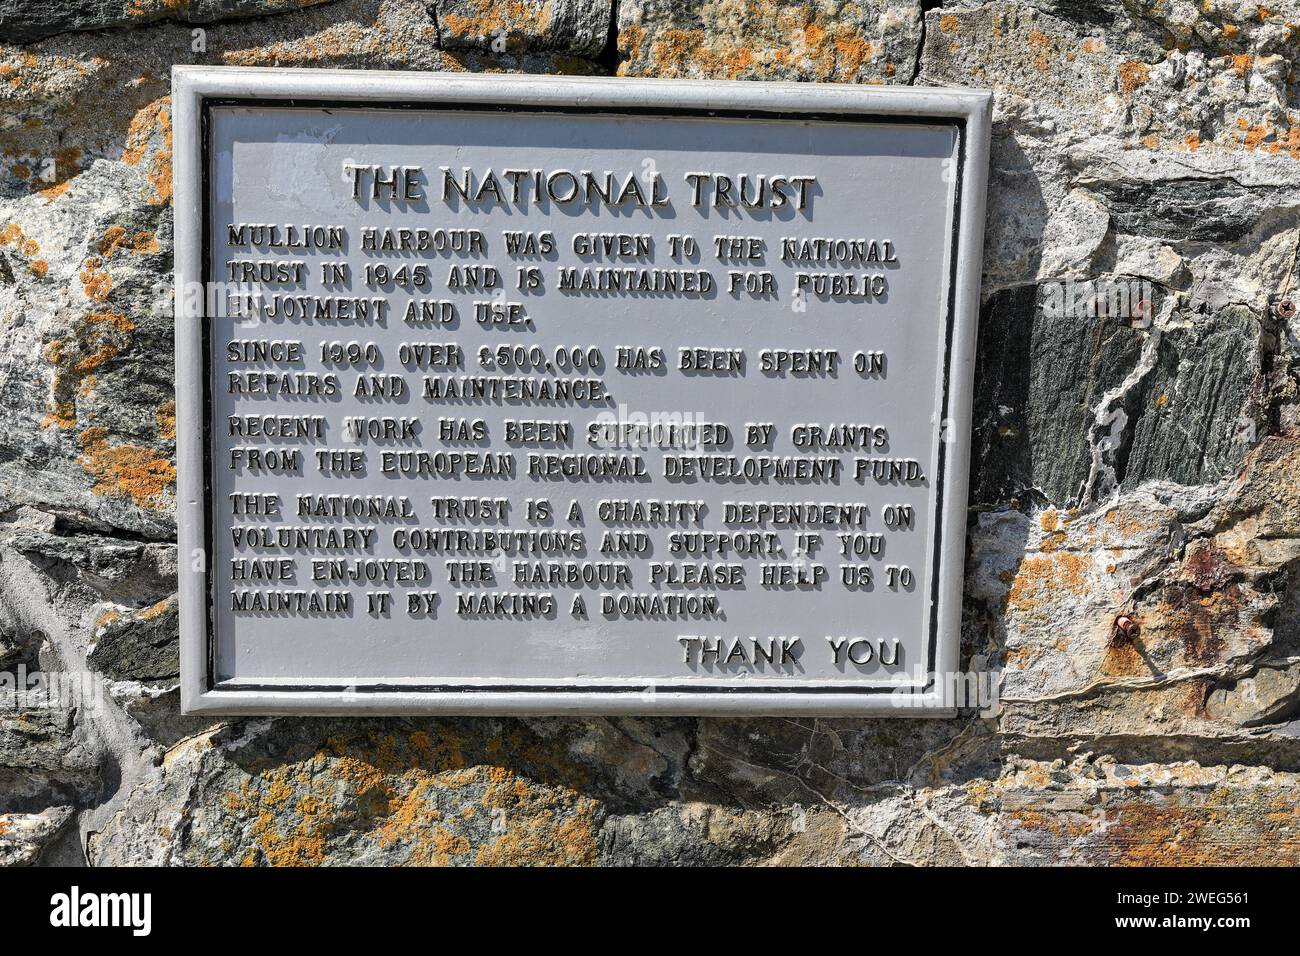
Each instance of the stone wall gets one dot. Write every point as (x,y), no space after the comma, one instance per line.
(1144,469)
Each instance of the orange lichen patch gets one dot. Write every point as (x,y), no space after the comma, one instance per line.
(1072,825)
(1132,75)
(108,617)
(1049,520)
(1192,142)
(631,38)
(155,611)
(344,40)
(141,129)
(1255,135)
(278,793)
(303,846)
(1151,142)
(115,238)
(676,49)
(27,72)
(1053,537)
(755,39)
(1093,45)
(445,846)
(1288,143)
(1242,63)
(98,337)
(430,799)
(1044,580)
(949,24)
(1019,657)
(95,281)
(13,235)
(166,419)
(1263,13)
(550,842)
(1036,776)
(1041,44)
(512,19)
(737,62)
(852,52)
(125,471)
(144,243)
(150,136)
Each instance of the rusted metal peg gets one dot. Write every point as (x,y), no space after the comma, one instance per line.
(1125,630)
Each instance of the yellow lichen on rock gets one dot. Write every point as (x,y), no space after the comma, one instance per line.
(166,420)
(150,137)
(98,337)
(422,798)
(758,39)
(500,18)
(115,238)
(1133,75)
(134,472)
(12,235)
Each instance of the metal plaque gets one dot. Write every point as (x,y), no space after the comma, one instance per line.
(548,395)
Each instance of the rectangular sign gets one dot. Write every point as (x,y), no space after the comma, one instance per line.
(538,395)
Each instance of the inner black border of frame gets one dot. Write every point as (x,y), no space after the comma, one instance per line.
(209,530)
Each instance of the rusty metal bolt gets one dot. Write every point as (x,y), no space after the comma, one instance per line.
(1125,630)
(1286,309)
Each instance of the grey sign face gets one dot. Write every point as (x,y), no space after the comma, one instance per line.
(556,396)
